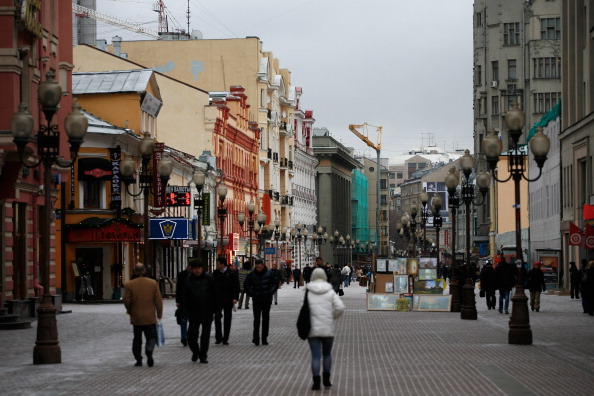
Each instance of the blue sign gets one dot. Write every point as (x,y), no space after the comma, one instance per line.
(270,250)
(169,228)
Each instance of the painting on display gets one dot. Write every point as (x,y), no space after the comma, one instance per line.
(428,262)
(431,302)
(389,287)
(427,273)
(412,265)
(402,266)
(401,283)
(393,265)
(436,286)
(405,302)
(381,266)
(381,302)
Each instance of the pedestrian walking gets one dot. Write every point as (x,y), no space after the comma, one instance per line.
(307,273)
(226,286)
(180,313)
(199,300)
(144,304)
(242,274)
(588,288)
(536,285)
(287,269)
(346,275)
(277,274)
(335,278)
(325,307)
(505,282)
(575,277)
(261,284)
(489,284)
(296,278)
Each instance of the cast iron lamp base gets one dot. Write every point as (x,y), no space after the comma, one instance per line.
(519,322)
(469,303)
(47,350)
(455,292)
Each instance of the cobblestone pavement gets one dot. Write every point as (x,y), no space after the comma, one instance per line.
(375,353)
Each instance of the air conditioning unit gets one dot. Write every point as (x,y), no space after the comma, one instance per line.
(494,84)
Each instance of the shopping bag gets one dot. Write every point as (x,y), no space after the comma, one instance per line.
(160,334)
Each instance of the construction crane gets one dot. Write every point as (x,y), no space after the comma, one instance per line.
(84,12)
(377,147)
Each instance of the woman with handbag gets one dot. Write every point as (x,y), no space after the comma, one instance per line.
(325,307)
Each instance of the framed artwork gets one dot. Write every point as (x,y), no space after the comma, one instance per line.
(405,302)
(380,266)
(402,267)
(75,269)
(416,298)
(393,265)
(431,302)
(389,287)
(412,265)
(401,283)
(427,273)
(435,286)
(381,302)
(428,262)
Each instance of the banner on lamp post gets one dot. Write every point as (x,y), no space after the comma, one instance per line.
(575,235)
(589,240)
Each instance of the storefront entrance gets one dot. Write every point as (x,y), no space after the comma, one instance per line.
(89,285)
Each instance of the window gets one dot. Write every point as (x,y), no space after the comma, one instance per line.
(495,105)
(550,28)
(511,69)
(391,175)
(547,67)
(91,194)
(545,101)
(511,33)
(383,200)
(511,99)
(399,175)
(383,184)
(479,19)
(495,70)
(478,75)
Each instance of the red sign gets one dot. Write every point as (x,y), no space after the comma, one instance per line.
(115,232)
(446,238)
(589,241)
(575,235)
(97,172)
(266,207)
(234,238)
(158,187)
(588,212)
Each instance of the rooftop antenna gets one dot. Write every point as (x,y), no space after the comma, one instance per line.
(188,16)
(159,7)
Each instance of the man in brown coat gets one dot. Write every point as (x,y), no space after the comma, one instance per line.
(144,304)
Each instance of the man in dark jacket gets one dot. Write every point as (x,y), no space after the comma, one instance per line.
(261,285)
(489,284)
(180,314)
(296,278)
(536,285)
(307,273)
(226,286)
(506,278)
(199,302)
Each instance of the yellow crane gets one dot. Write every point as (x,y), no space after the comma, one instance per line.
(377,147)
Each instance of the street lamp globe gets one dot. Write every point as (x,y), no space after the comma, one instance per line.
(305,232)
(251,207)
(436,201)
(320,230)
(467,163)
(199,179)
(222,192)
(483,181)
(336,233)
(76,124)
(22,124)
(165,167)
(241,218)
(413,209)
(492,147)
(540,145)
(49,92)
(452,180)
(261,218)
(515,118)
(127,169)
(146,145)
(277,223)
(424,198)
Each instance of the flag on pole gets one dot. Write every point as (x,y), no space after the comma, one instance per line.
(575,235)
(589,243)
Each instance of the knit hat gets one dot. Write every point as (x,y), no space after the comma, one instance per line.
(319,274)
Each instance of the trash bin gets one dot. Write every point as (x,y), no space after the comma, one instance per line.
(363,281)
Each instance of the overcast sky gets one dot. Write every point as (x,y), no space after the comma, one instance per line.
(405,65)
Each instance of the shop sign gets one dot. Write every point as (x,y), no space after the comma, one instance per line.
(115,232)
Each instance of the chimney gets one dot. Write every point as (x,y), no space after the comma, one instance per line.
(117,45)
(102,44)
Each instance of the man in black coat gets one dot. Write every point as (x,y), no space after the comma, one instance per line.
(536,285)
(198,301)
(307,273)
(296,278)
(226,286)
(181,314)
(506,278)
(261,284)
(489,284)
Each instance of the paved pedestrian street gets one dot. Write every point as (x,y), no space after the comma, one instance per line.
(375,353)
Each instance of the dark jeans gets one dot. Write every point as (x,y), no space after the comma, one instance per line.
(150,333)
(225,311)
(320,346)
(261,309)
(296,282)
(574,290)
(504,299)
(491,300)
(204,337)
(184,328)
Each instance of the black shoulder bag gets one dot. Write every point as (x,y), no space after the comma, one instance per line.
(303,321)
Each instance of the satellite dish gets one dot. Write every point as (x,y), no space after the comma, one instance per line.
(196,35)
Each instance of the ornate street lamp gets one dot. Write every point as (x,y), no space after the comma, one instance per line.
(277,238)
(199,178)
(452,180)
(424,199)
(47,349)
(222,213)
(128,170)
(483,181)
(436,204)
(251,207)
(519,323)
(413,226)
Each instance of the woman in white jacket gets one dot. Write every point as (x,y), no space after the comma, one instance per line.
(324,307)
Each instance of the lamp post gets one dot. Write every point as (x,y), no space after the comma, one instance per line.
(436,204)
(334,242)
(199,179)
(127,171)
(251,207)
(483,180)
(452,180)
(259,229)
(519,323)
(47,349)
(222,213)
(424,199)
(276,238)
(320,237)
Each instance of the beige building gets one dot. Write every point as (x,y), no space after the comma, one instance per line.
(517,58)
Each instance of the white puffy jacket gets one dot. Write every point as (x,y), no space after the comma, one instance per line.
(324,307)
